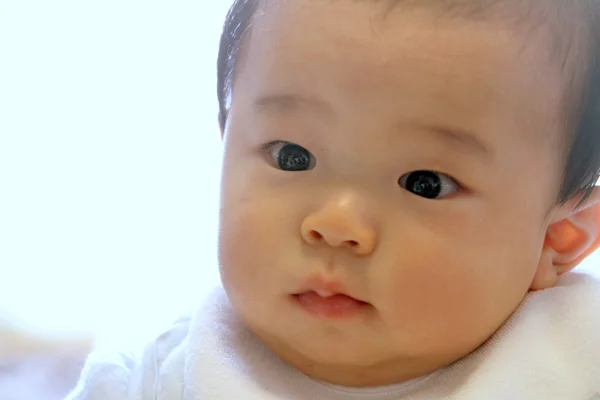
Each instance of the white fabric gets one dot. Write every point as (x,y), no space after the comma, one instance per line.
(549,349)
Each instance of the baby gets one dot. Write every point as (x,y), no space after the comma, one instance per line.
(406,187)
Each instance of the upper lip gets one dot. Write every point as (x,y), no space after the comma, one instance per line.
(324,287)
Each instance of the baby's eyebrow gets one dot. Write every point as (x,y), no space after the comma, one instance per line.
(286,103)
(460,140)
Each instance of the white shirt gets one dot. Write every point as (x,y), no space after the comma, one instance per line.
(549,349)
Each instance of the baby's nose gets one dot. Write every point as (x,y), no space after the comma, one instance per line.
(339,228)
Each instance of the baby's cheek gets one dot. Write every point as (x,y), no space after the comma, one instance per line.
(248,242)
(435,301)
(439,316)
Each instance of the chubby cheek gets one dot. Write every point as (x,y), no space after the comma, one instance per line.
(242,246)
(451,296)
(248,246)
(433,309)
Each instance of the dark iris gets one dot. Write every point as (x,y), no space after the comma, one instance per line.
(293,158)
(425,184)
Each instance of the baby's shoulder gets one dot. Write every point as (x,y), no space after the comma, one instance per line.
(573,301)
(558,317)
(554,333)
(155,372)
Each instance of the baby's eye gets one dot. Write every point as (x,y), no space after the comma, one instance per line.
(429,184)
(290,157)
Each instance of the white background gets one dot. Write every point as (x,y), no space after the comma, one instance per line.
(109,163)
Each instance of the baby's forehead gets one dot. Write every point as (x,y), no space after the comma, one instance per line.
(562,25)
(547,26)
(427,71)
(517,11)
(297,36)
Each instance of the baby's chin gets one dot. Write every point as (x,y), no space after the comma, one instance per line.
(347,364)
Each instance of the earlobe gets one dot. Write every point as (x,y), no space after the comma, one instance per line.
(569,241)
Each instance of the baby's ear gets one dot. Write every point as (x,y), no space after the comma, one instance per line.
(569,240)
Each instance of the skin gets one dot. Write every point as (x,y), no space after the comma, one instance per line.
(373,98)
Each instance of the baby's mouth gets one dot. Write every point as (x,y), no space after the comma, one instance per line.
(329,305)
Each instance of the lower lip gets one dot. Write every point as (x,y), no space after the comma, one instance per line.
(338,306)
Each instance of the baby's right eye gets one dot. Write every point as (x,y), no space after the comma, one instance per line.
(289,156)
(429,184)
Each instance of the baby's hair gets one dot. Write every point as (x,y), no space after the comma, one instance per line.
(575,24)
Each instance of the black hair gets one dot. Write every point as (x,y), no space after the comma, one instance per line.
(235,31)
(582,167)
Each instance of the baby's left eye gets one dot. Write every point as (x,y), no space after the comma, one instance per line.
(429,184)
(290,156)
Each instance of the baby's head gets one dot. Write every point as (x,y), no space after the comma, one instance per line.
(398,175)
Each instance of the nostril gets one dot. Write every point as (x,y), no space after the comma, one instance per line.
(352,243)
(316,236)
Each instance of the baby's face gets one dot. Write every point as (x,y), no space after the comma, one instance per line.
(408,162)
